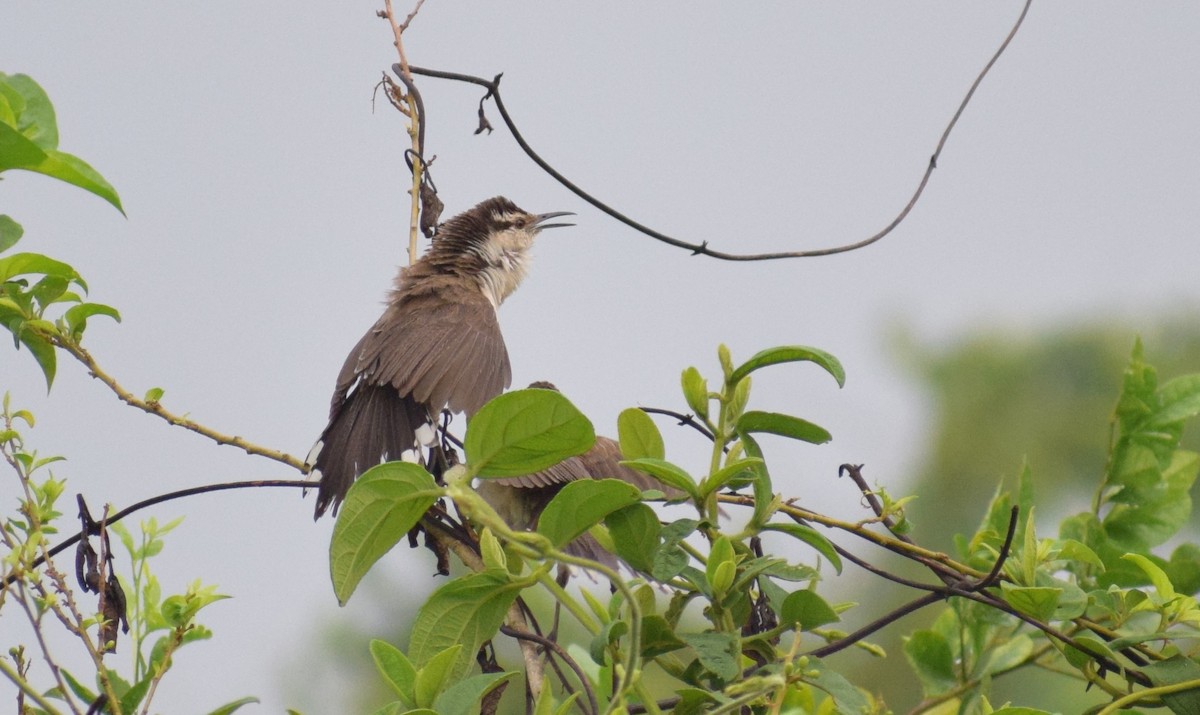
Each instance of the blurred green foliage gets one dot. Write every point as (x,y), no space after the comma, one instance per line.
(1001,397)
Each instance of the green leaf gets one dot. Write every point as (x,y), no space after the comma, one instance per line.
(726,360)
(133,697)
(695,392)
(807,610)
(34,263)
(525,431)
(33,112)
(48,290)
(1184,568)
(764,495)
(80,690)
(636,533)
(229,708)
(812,537)
(738,470)
(581,504)
(849,699)
(1073,550)
(1151,515)
(1004,656)
(665,472)
(658,637)
(154,394)
(639,436)
(1172,671)
(467,610)
(790,353)
(77,316)
(720,653)
(783,425)
(17,151)
(464,697)
(73,170)
(1158,577)
(719,569)
(395,667)
(1179,400)
(10,232)
(380,508)
(43,353)
(432,677)
(931,658)
(1078,658)
(1036,601)
(669,561)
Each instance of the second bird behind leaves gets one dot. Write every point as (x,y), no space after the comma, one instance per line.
(521,500)
(437,345)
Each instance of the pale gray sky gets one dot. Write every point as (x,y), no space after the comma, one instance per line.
(266,217)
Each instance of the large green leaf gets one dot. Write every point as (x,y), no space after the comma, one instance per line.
(396,669)
(467,610)
(636,534)
(929,655)
(639,436)
(29,139)
(665,472)
(784,426)
(849,699)
(73,170)
(32,113)
(1172,671)
(463,697)
(1179,400)
(718,652)
(580,505)
(790,353)
(36,264)
(525,431)
(380,508)
(18,151)
(807,610)
(41,349)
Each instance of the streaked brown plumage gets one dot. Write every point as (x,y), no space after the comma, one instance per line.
(437,345)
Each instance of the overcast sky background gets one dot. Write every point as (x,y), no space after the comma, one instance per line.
(267,215)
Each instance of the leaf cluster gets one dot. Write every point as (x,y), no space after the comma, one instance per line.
(31,283)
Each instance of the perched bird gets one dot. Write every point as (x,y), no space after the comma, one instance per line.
(438,345)
(520,500)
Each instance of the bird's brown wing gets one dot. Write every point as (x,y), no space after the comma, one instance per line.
(602,461)
(438,350)
(426,353)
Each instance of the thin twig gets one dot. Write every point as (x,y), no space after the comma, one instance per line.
(562,654)
(191,491)
(688,420)
(416,127)
(155,408)
(493,88)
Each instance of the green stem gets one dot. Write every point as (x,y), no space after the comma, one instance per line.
(1161,690)
(569,603)
(25,687)
(632,657)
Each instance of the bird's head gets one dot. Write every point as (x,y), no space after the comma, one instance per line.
(491,242)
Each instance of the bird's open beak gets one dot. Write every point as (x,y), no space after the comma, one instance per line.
(542,218)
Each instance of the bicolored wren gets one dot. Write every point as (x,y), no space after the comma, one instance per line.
(437,346)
